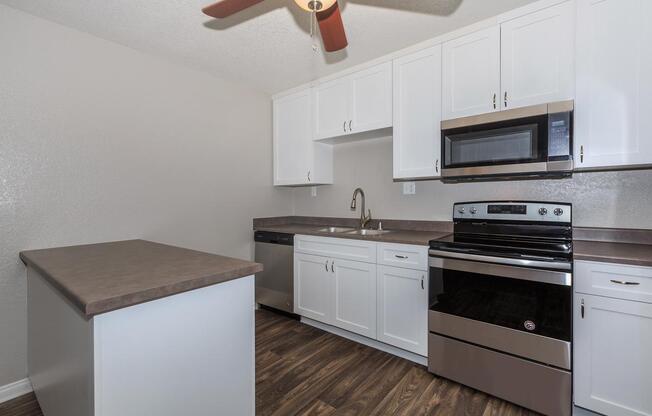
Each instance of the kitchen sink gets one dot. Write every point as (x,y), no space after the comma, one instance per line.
(336,230)
(369,232)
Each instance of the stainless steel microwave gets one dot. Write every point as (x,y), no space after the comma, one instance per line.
(523,143)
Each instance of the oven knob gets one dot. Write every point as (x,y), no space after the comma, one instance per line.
(543,211)
(461,210)
(474,210)
(559,211)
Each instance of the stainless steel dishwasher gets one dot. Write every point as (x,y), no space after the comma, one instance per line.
(275,285)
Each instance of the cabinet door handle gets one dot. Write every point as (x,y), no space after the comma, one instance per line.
(622,282)
(582,309)
(437,166)
(398,256)
(422,285)
(494,101)
(308,176)
(332,268)
(326,265)
(505,99)
(582,154)
(344,126)
(350,129)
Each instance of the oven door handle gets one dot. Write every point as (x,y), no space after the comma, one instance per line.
(501,270)
(523,262)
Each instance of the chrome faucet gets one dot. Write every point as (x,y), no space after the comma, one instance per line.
(364,219)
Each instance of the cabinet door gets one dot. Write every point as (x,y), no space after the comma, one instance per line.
(371,98)
(355,297)
(313,287)
(417,114)
(538,57)
(293,146)
(471,74)
(403,308)
(612,361)
(614,83)
(332,108)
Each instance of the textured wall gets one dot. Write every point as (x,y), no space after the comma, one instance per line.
(610,199)
(99,142)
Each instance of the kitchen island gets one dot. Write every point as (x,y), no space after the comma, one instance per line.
(140,328)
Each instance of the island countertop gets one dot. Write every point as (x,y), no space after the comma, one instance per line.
(99,278)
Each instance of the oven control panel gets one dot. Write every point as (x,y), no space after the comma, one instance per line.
(514,211)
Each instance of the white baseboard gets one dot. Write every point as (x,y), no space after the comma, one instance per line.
(419,359)
(15,389)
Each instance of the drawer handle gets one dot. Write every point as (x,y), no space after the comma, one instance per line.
(621,282)
(400,257)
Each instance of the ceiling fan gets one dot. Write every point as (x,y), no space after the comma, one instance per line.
(327,13)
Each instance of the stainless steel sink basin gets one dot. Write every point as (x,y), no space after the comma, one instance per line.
(369,232)
(336,230)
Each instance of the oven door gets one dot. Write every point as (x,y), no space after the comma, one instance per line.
(518,310)
(500,148)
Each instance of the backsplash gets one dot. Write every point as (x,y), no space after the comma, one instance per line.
(600,199)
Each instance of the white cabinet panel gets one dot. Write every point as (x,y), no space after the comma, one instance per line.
(331,107)
(343,248)
(612,360)
(297,159)
(355,297)
(292,138)
(417,114)
(614,280)
(471,74)
(371,99)
(537,57)
(403,255)
(313,287)
(614,83)
(403,308)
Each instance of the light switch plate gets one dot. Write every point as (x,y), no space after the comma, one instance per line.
(409,188)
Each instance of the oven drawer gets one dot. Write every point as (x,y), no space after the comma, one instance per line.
(614,280)
(544,389)
(546,350)
(403,255)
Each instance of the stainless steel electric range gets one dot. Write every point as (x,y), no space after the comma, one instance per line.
(500,302)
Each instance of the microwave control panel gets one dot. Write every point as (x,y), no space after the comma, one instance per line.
(559,135)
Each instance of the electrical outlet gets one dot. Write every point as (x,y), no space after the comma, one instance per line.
(313,191)
(409,188)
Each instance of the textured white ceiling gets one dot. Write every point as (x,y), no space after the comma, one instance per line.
(267,45)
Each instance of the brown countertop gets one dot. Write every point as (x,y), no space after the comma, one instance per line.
(613,252)
(419,238)
(99,278)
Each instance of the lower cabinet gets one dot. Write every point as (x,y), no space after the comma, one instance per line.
(378,301)
(402,308)
(313,287)
(355,297)
(612,339)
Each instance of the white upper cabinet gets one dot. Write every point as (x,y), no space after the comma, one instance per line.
(297,159)
(354,103)
(332,108)
(471,74)
(417,114)
(537,57)
(371,98)
(614,83)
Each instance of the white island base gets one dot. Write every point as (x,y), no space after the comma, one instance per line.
(187,354)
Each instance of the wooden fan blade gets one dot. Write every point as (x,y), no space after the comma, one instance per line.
(332,29)
(226,8)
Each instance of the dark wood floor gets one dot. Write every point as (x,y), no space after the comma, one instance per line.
(301,370)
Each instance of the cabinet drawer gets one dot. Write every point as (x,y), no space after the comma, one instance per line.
(614,280)
(403,255)
(341,248)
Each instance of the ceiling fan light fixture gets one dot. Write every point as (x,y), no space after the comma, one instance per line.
(315,5)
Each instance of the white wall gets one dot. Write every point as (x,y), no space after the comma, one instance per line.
(610,199)
(99,142)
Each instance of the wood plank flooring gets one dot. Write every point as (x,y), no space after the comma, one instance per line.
(301,370)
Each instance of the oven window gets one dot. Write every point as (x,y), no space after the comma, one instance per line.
(503,301)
